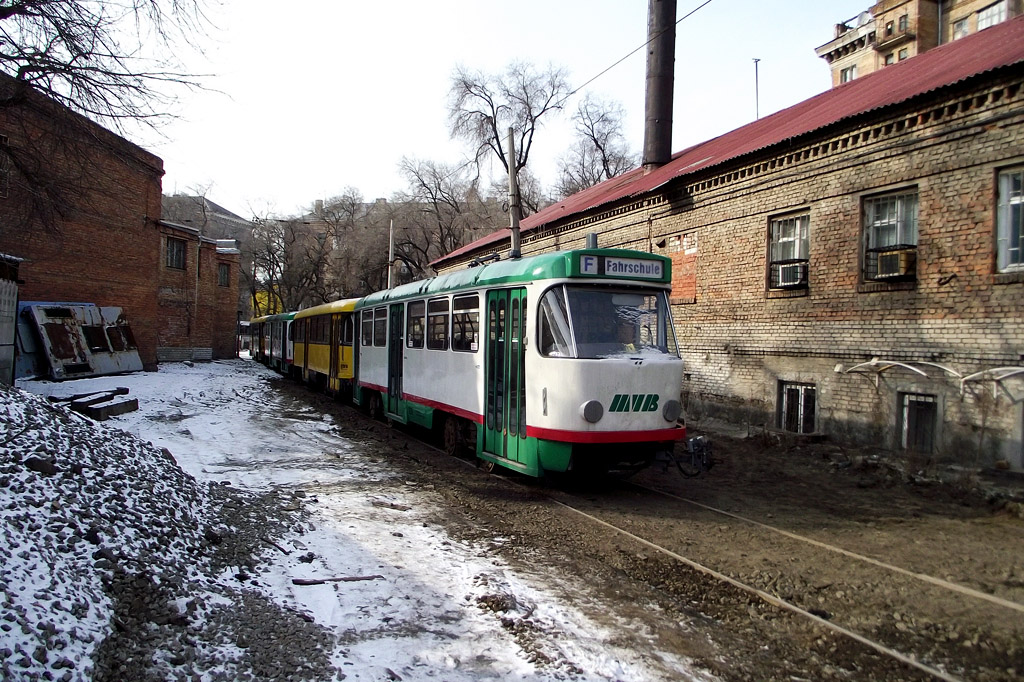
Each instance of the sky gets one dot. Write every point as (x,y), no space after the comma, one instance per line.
(331,94)
(418,619)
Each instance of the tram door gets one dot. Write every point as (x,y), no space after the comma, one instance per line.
(505,414)
(396,346)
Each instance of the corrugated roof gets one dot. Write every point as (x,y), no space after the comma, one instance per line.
(999,46)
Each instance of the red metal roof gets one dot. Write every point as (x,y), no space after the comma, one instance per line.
(992,48)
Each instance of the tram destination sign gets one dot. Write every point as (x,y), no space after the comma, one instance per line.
(613,266)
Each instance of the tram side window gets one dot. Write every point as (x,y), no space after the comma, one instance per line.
(437,324)
(553,324)
(465,323)
(366,330)
(300,330)
(380,327)
(414,324)
(347,330)
(321,329)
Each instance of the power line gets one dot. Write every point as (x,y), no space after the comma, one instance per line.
(633,52)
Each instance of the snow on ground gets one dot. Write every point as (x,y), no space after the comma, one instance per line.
(415,616)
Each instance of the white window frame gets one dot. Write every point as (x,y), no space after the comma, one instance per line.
(992,15)
(895,212)
(1010,221)
(961,28)
(848,74)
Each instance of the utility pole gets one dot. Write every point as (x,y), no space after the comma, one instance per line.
(513,196)
(757,97)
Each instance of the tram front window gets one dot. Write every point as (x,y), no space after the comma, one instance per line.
(598,322)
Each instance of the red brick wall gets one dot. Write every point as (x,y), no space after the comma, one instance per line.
(96,241)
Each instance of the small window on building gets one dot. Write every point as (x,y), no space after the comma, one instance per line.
(790,245)
(176,253)
(890,59)
(889,28)
(437,324)
(918,416)
(904,23)
(1010,221)
(465,323)
(5,168)
(904,53)
(223,275)
(380,327)
(848,74)
(992,15)
(797,407)
(890,235)
(960,28)
(366,328)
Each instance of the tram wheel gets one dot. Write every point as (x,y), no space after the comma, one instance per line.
(454,442)
(375,406)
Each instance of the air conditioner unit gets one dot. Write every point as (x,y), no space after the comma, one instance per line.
(791,274)
(896,263)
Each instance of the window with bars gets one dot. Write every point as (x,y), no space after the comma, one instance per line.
(890,236)
(790,246)
(992,15)
(1010,221)
(796,411)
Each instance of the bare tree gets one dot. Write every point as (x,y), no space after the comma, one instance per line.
(600,151)
(482,107)
(110,61)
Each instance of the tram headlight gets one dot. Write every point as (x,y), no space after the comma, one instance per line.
(672,410)
(592,411)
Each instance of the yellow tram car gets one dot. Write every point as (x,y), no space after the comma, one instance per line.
(323,337)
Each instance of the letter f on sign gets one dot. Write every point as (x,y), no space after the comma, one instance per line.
(588,265)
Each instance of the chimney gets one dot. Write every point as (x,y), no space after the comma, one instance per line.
(661,55)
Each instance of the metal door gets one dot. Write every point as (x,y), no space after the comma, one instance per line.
(505,413)
(396,346)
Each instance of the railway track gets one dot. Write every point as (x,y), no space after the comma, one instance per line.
(921,624)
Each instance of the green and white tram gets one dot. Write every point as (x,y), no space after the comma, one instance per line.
(556,362)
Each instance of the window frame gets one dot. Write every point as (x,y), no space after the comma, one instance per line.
(223,274)
(465,311)
(177,252)
(801,241)
(927,432)
(366,327)
(991,15)
(895,211)
(961,28)
(1009,210)
(415,323)
(804,391)
(438,318)
(380,327)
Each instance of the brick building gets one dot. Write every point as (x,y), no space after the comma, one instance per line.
(894,30)
(81,207)
(852,265)
(197,295)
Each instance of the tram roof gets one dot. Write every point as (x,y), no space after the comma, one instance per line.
(552,265)
(339,306)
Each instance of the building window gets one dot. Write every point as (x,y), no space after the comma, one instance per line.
(848,74)
(796,407)
(890,59)
(904,53)
(223,275)
(890,234)
(437,324)
(176,253)
(790,242)
(904,23)
(960,29)
(992,15)
(414,324)
(889,29)
(466,323)
(918,417)
(1010,221)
